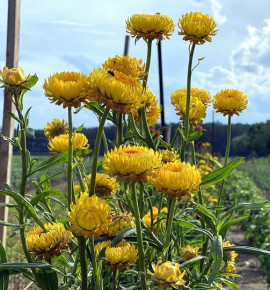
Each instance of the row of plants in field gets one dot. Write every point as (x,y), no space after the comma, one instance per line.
(144,216)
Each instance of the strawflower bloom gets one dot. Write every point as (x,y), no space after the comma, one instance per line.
(89,215)
(189,252)
(150,27)
(120,222)
(176,179)
(105,185)
(230,102)
(50,243)
(13,79)
(197,27)
(147,217)
(61,143)
(131,163)
(67,89)
(167,275)
(55,128)
(116,90)
(228,263)
(131,67)
(122,256)
(169,155)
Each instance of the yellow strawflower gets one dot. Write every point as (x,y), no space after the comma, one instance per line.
(197,27)
(169,155)
(167,275)
(131,163)
(50,243)
(89,215)
(189,252)
(202,94)
(131,67)
(66,88)
(228,263)
(61,143)
(122,256)
(105,185)
(176,179)
(116,90)
(150,27)
(147,217)
(120,222)
(230,102)
(55,128)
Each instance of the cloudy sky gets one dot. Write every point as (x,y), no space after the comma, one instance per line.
(79,35)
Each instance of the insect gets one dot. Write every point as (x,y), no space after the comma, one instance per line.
(110,72)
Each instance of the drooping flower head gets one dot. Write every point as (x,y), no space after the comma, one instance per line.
(60,143)
(67,89)
(197,27)
(189,252)
(116,90)
(105,185)
(176,179)
(89,216)
(55,128)
(120,222)
(169,155)
(13,79)
(50,243)
(122,256)
(167,275)
(147,217)
(230,102)
(131,163)
(131,67)
(150,27)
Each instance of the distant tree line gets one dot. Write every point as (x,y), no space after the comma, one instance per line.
(247,140)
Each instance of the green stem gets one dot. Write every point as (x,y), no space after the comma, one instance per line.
(105,143)
(96,152)
(94,262)
(169,228)
(120,130)
(186,129)
(82,251)
(70,157)
(141,200)
(139,235)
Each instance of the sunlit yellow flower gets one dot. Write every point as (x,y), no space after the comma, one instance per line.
(197,27)
(131,163)
(122,256)
(120,222)
(168,155)
(189,252)
(119,92)
(230,102)
(105,185)
(61,143)
(147,217)
(55,128)
(181,95)
(167,275)
(13,79)
(77,188)
(131,67)
(203,95)
(89,215)
(50,243)
(229,255)
(228,267)
(66,88)
(150,27)
(176,179)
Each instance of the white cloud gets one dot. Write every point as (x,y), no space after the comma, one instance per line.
(216,10)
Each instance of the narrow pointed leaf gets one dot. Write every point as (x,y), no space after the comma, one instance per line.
(217,255)
(4,275)
(248,250)
(36,199)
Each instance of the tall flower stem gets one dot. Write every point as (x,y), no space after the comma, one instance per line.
(139,235)
(227,153)
(70,157)
(186,129)
(82,251)
(96,152)
(120,130)
(169,229)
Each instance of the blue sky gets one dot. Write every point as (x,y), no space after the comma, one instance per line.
(70,35)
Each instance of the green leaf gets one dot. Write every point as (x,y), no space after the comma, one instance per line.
(195,135)
(220,173)
(210,219)
(205,232)
(217,254)
(223,228)
(186,225)
(122,235)
(53,161)
(82,152)
(36,199)
(193,260)
(230,284)
(248,250)
(4,275)
(13,225)
(49,279)
(18,266)
(20,200)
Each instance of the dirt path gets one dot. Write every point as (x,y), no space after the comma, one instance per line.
(248,266)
